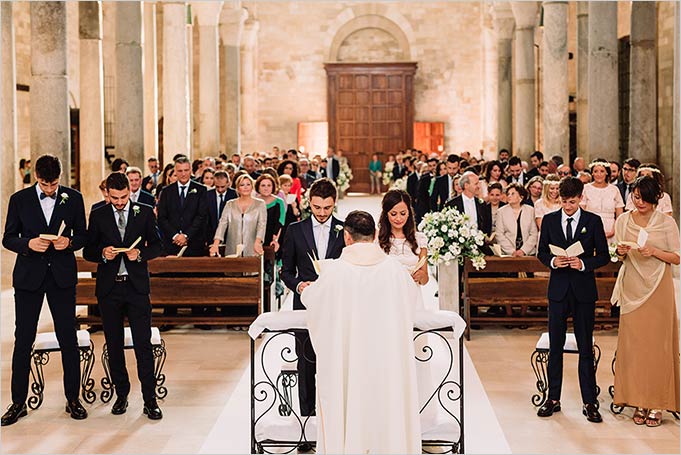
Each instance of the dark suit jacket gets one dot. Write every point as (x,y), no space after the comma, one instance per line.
(25,221)
(308,178)
(335,168)
(399,172)
(189,220)
(97,205)
(103,232)
(509,179)
(298,243)
(146,198)
(146,180)
(623,189)
(212,205)
(531,173)
(590,233)
(422,203)
(440,192)
(482,210)
(412,186)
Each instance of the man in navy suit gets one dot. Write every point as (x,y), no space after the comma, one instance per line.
(137,194)
(182,213)
(572,291)
(45,267)
(444,184)
(515,171)
(216,198)
(320,236)
(629,168)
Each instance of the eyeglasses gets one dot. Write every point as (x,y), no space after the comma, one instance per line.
(563,172)
(628,169)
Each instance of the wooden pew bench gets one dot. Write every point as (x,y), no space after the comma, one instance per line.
(498,284)
(192,282)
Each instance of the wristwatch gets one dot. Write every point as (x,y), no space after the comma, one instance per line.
(139,256)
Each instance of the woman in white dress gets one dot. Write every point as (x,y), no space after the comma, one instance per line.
(603,198)
(549,201)
(397,236)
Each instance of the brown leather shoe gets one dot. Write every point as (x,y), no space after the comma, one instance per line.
(548,408)
(590,410)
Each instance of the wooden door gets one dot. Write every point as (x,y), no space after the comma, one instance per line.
(370,110)
(429,137)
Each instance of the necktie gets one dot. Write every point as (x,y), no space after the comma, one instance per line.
(121,229)
(568,230)
(323,241)
(52,196)
(452,189)
(221,205)
(182,195)
(154,176)
(133,197)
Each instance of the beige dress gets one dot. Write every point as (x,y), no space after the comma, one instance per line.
(647,370)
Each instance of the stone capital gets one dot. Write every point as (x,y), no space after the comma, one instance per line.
(90,20)
(232,25)
(207,13)
(525,14)
(504,27)
(250,33)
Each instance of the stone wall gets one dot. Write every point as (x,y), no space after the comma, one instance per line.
(295,38)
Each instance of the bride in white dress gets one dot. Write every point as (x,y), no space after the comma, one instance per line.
(397,236)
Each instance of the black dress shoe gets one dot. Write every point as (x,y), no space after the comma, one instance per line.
(591,412)
(14,412)
(305,447)
(120,406)
(76,409)
(548,408)
(152,410)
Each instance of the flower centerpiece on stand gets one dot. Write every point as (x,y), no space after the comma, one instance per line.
(400,184)
(452,237)
(344,179)
(387,177)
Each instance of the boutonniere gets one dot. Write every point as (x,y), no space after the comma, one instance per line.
(135,210)
(481,201)
(337,228)
(192,191)
(583,231)
(64,198)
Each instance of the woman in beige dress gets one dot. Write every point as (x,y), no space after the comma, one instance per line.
(516,229)
(245,221)
(664,205)
(647,374)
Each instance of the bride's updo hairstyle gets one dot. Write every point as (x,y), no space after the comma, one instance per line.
(385,232)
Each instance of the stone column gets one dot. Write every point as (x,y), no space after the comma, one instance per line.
(555,80)
(603,81)
(92,101)
(231,29)
(8,119)
(249,88)
(582,100)
(525,14)
(175,81)
(208,15)
(129,83)
(49,96)
(643,83)
(150,82)
(504,25)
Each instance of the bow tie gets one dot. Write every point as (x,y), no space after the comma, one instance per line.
(43,196)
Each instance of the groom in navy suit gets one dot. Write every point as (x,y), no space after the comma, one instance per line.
(319,236)
(572,291)
(45,267)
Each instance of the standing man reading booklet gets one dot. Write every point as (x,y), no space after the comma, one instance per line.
(572,291)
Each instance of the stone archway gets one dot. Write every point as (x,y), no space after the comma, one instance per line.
(381,37)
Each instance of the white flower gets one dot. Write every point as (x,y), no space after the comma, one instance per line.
(443,228)
(135,210)
(583,231)
(192,191)
(64,198)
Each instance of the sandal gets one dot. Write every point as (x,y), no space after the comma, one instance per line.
(640,416)
(654,418)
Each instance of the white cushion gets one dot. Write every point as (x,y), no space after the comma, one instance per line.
(569,346)
(127,337)
(48,340)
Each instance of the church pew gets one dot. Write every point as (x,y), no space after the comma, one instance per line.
(234,284)
(499,283)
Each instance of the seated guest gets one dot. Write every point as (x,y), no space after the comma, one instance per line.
(208,177)
(445,186)
(137,194)
(534,188)
(516,227)
(105,196)
(652,170)
(494,202)
(216,198)
(244,220)
(549,201)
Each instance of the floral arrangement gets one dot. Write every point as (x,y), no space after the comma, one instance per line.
(344,178)
(388,174)
(305,210)
(400,184)
(452,236)
(612,249)
(64,198)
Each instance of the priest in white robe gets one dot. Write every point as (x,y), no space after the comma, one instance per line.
(360,315)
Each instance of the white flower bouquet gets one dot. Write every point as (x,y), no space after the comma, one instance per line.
(344,178)
(388,174)
(400,184)
(452,236)
(305,210)
(612,249)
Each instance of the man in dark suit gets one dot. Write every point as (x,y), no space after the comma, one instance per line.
(216,198)
(535,160)
(475,208)
(45,267)
(399,169)
(515,171)
(444,185)
(150,182)
(122,287)
(572,291)
(629,168)
(137,194)
(412,179)
(320,236)
(182,213)
(332,168)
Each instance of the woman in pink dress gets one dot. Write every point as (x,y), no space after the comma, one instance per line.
(602,197)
